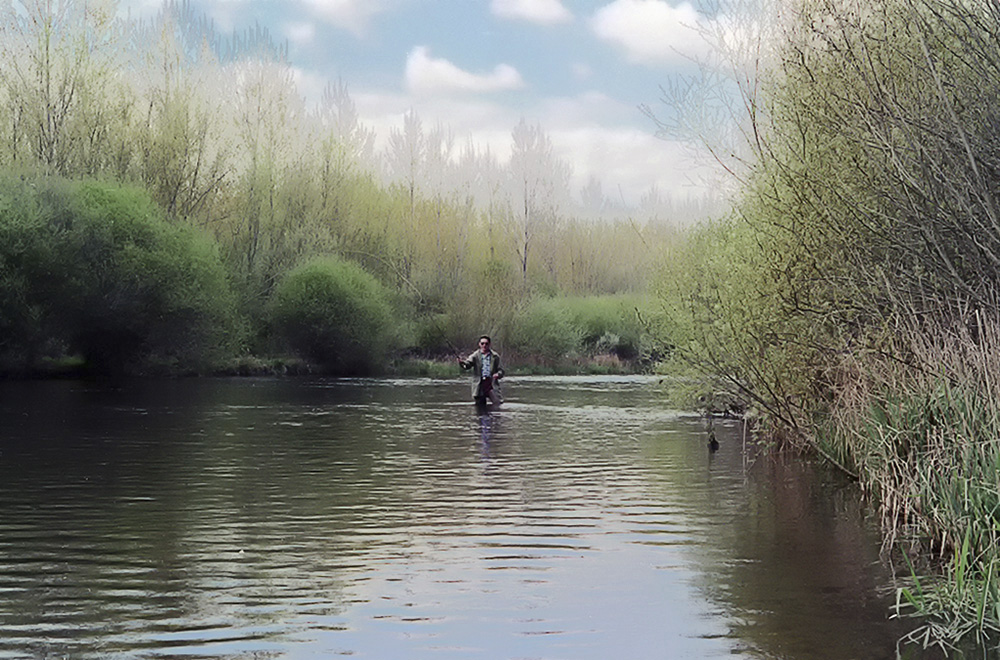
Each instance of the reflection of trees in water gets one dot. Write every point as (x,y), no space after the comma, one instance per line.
(162,503)
(234,503)
(786,549)
(798,564)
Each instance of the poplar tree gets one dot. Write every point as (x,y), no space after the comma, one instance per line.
(539,184)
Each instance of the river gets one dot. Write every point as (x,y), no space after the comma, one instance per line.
(389,519)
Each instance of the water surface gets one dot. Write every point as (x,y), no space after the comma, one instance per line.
(311,518)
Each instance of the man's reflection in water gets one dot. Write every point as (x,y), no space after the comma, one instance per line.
(488,423)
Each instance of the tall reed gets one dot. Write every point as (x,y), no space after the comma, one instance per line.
(919,421)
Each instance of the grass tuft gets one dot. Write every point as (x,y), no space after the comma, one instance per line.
(924,437)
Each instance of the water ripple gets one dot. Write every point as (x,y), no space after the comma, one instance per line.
(387,519)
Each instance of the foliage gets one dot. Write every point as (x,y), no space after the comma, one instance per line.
(603,332)
(959,608)
(924,442)
(851,295)
(93,269)
(28,294)
(219,134)
(607,324)
(216,131)
(545,330)
(334,314)
(145,288)
(857,209)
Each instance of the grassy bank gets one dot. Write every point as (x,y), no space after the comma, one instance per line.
(403,366)
(444,368)
(923,436)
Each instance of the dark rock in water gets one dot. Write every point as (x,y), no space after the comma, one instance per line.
(713,444)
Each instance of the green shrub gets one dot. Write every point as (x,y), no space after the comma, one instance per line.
(545,330)
(486,303)
(27,253)
(607,324)
(432,335)
(334,314)
(93,269)
(147,291)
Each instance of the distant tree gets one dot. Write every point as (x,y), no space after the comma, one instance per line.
(406,156)
(197,41)
(539,184)
(182,156)
(352,142)
(268,117)
(488,192)
(592,197)
(56,71)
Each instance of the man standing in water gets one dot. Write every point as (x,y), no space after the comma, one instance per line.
(486,371)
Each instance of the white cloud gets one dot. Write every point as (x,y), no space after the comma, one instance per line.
(582,71)
(589,106)
(588,132)
(300,33)
(485,123)
(535,11)
(629,161)
(352,15)
(651,31)
(425,74)
(310,84)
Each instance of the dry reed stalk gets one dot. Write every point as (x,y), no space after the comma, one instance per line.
(909,425)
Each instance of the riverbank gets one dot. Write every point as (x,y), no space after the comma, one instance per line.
(400,366)
(598,365)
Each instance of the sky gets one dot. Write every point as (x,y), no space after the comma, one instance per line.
(578,68)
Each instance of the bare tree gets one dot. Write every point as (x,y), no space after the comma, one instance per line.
(592,197)
(181,155)
(539,184)
(345,150)
(406,157)
(56,63)
(339,115)
(267,126)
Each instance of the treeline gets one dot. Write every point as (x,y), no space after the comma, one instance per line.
(851,298)
(170,202)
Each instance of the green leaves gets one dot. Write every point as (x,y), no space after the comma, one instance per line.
(853,293)
(334,314)
(94,269)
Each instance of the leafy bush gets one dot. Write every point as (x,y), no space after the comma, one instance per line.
(93,269)
(858,280)
(607,324)
(334,314)
(556,328)
(486,304)
(146,290)
(432,335)
(27,252)
(545,330)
